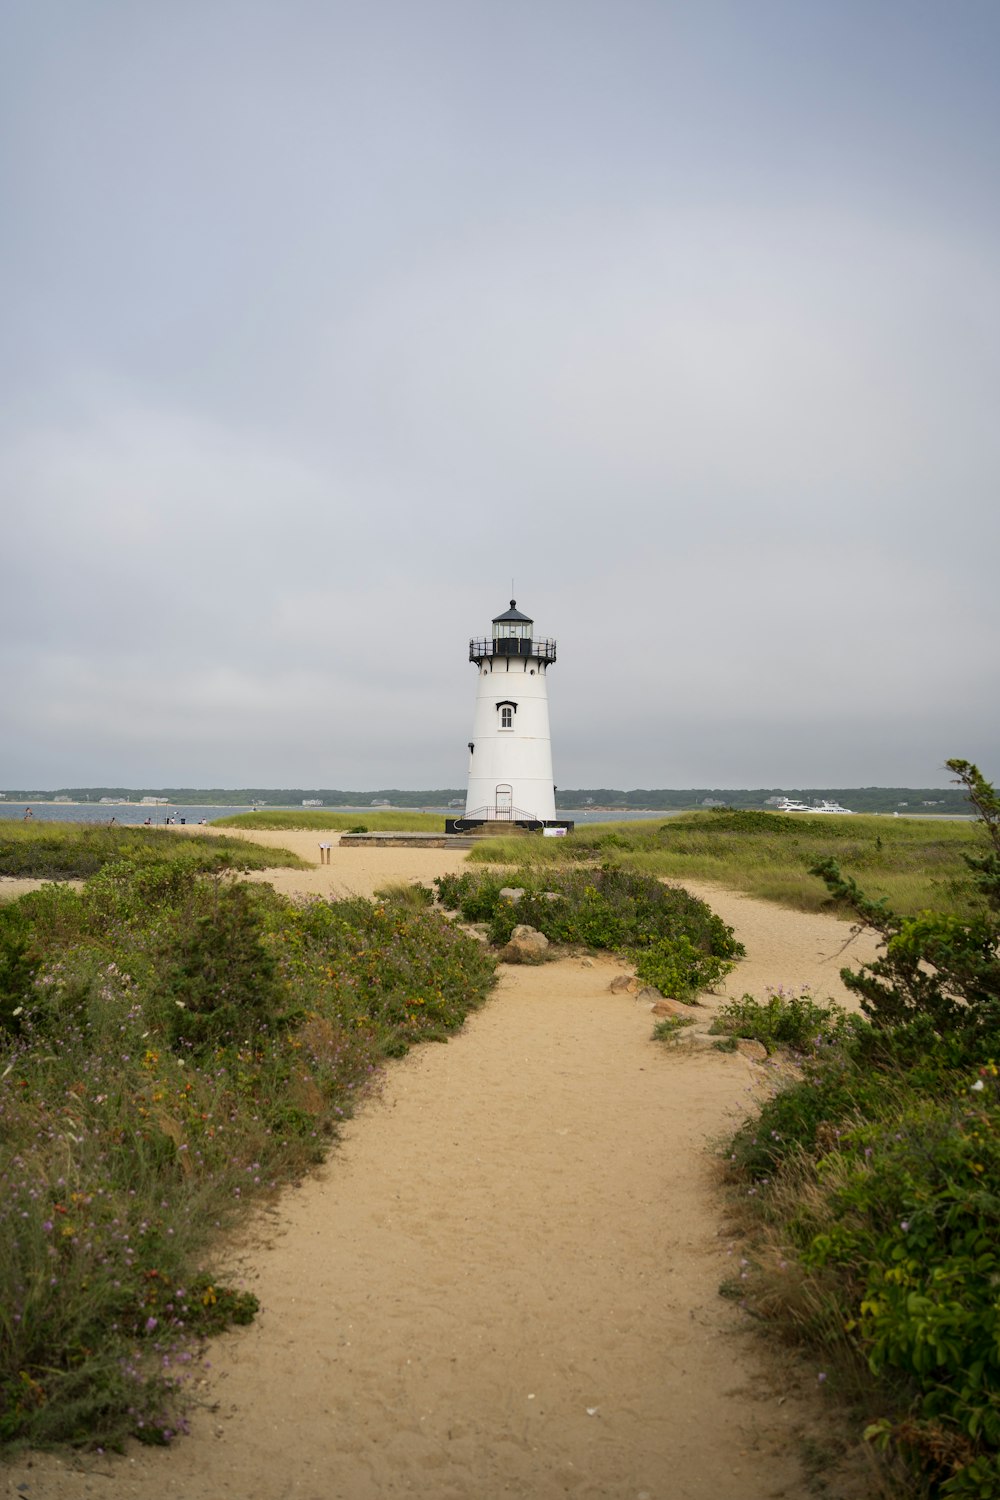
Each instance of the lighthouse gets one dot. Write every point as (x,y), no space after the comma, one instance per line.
(510,753)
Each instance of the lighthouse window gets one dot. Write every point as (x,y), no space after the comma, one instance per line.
(506,717)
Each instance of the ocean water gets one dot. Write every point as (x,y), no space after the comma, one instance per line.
(103,812)
(133,813)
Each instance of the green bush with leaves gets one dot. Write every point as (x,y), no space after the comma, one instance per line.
(785,1019)
(938,971)
(676,967)
(219,982)
(876,1171)
(19,965)
(675,939)
(911,1224)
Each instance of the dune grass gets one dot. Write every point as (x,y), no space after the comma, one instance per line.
(914,862)
(75,851)
(374,820)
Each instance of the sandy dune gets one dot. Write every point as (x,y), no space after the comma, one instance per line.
(505,1280)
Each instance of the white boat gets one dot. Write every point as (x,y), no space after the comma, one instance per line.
(788,804)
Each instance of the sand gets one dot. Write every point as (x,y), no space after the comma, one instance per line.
(504,1281)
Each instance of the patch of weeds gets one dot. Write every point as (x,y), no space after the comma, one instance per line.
(412,895)
(212,1308)
(670,1027)
(726,1044)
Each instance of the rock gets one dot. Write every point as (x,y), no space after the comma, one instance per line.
(586,963)
(512,893)
(623,984)
(524,933)
(649,992)
(755,1051)
(527,945)
(664,1006)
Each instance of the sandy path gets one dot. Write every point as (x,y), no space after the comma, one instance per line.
(505,1280)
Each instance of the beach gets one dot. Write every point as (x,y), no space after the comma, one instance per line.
(504,1281)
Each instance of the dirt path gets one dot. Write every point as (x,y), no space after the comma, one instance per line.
(505,1280)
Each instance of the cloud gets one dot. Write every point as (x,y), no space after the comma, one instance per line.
(325,327)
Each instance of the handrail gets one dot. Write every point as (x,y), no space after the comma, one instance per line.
(491,814)
(480,649)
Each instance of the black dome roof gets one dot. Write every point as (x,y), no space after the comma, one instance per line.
(512,614)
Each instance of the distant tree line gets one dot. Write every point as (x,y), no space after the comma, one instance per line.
(869,799)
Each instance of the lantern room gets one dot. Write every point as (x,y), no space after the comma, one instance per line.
(512,636)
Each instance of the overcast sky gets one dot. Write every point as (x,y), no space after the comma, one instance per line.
(324,321)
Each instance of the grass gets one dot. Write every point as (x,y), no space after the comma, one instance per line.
(374,820)
(74,851)
(914,862)
(172,1047)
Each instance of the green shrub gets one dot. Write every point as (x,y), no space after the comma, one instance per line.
(875,1172)
(475,895)
(219,983)
(915,1232)
(131,1126)
(677,968)
(676,941)
(19,965)
(784,1019)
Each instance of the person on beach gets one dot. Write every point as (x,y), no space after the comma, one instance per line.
(28,815)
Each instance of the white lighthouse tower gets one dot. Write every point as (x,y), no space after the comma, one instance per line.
(510,753)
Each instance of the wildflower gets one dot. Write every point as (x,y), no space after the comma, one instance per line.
(978,1086)
(821,1376)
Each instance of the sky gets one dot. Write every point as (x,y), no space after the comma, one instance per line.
(328,328)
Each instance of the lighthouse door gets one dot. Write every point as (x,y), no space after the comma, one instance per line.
(505,802)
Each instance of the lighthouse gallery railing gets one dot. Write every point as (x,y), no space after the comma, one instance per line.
(480,650)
